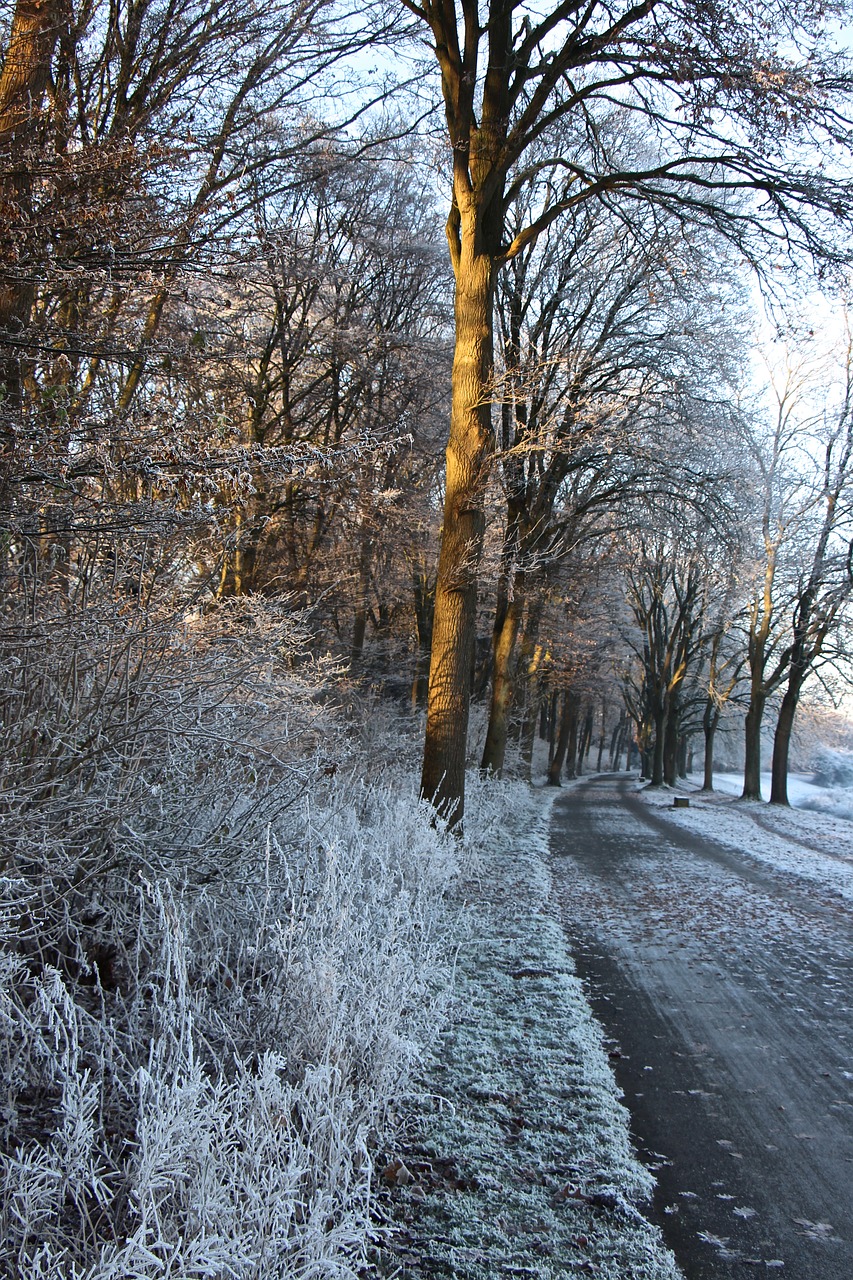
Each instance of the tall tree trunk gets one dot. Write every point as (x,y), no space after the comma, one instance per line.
(424,599)
(602,737)
(468,452)
(670,748)
(585,739)
(552,725)
(708,765)
(657,752)
(503,682)
(752,748)
(567,717)
(782,739)
(529,662)
(710,720)
(24,79)
(239,575)
(572,762)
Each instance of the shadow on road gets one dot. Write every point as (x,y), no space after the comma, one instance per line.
(727,993)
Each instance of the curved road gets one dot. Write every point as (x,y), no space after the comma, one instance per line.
(728,994)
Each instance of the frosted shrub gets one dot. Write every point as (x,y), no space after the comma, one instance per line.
(215,979)
(833,768)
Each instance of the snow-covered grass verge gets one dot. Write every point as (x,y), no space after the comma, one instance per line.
(521,1163)
(223,950)
(808,843)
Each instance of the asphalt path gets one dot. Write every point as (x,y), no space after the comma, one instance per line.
(727,992)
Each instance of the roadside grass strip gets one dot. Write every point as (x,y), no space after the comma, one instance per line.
(520,1161)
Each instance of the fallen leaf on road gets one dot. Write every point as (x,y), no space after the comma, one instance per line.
(815,1230)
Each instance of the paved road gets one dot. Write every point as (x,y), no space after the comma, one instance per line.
(728,993)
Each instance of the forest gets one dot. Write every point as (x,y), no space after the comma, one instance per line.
(386,391)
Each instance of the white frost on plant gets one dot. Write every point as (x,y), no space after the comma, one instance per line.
(524,1103)
(221,959)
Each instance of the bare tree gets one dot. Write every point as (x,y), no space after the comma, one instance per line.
(24,79)
(824,579)
(724,104)
(664,588)
(724,666)
(801,578)
(602,327)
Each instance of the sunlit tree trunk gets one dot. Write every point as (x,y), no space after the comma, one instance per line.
(468,451)
(23,81)
(503,681)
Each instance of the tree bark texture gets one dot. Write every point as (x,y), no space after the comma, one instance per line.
(571,764)
(657,752)
(782,736)
(553,721)
(468,451)
(568,718)
(602,737)
(529,661)
(752,748)
(670,748)
(585,739)
(24,79)
(494,750)
(423,594)
(709,730)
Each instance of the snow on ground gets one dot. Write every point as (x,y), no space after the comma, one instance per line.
(812,843)
(516,1159)
(803,792)
(519,1161)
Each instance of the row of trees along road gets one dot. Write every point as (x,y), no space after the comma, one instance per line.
(232,337)
(734,129)
(739,604)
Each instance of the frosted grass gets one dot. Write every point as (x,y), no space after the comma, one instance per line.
(524,1110)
